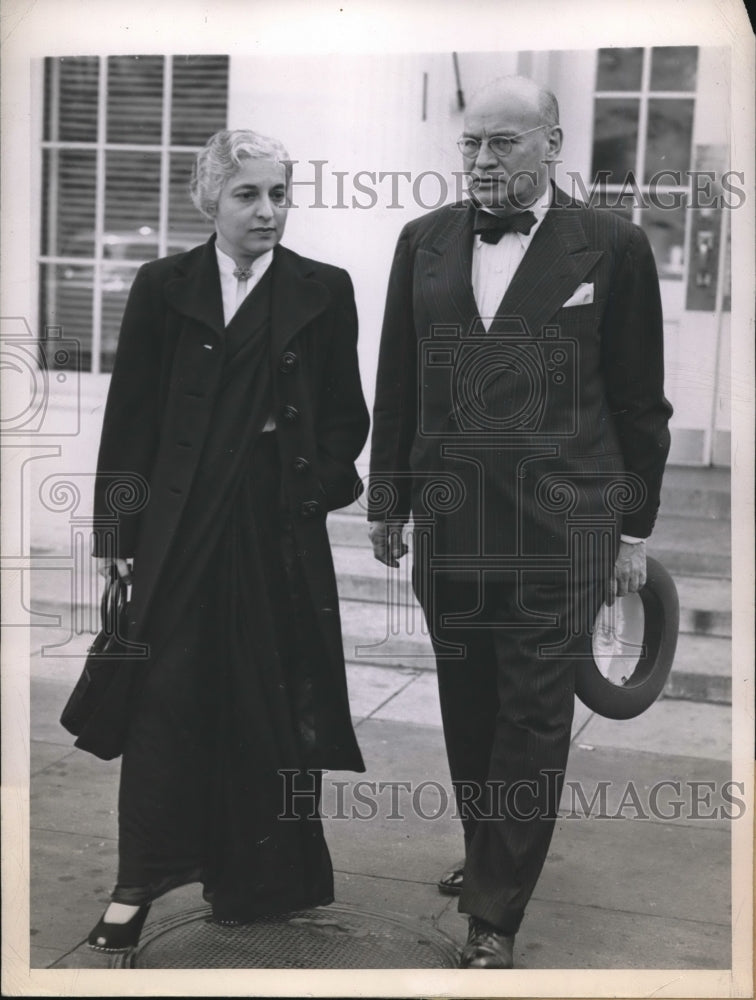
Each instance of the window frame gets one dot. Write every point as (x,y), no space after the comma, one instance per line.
(645,95)
(100,146)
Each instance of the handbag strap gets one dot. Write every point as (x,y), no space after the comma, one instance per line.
(112,604)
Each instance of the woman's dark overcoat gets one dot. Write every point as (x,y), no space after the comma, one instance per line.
(162,399)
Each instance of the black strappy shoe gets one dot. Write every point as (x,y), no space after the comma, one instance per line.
(110,937)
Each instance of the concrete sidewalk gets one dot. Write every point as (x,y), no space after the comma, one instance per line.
(647,886)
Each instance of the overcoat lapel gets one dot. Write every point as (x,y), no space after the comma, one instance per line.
(196,293)
(296,299)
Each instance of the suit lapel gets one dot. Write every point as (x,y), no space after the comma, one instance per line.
(445,270)
(555,263)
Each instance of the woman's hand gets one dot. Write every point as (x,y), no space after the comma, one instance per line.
(104,564)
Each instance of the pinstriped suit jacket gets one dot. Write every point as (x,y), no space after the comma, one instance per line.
(505,436)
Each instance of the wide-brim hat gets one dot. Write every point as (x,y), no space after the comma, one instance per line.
(633,647)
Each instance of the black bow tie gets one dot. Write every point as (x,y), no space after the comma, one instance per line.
(491,228)
(243,273)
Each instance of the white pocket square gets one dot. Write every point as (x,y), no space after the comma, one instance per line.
(582,296)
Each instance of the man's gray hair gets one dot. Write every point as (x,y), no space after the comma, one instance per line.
(549,106)
(222,156)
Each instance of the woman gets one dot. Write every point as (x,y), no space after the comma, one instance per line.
(236,397)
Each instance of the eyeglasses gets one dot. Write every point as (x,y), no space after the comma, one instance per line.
(500,145)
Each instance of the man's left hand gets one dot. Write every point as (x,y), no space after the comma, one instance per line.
(629,570)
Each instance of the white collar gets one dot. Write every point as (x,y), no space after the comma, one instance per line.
(227,265)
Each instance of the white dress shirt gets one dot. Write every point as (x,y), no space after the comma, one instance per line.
(494,266)
(230,284)
(230,289)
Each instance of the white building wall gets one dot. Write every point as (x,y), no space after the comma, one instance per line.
(362,113)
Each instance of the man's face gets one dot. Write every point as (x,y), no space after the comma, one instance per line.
(514,181)
(252,208)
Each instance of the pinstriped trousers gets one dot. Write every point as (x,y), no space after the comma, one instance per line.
(505,671)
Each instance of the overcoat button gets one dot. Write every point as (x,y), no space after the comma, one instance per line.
(310,508)
(301,465)
(290,414)
(288,362)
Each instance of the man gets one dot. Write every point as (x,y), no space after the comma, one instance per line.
(520,417)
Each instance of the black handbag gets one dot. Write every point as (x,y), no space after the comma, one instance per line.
(99,708)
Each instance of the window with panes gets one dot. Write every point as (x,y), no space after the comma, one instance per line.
(119,138)
(642,142)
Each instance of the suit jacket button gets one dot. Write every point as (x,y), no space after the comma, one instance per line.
(290,414)
(300,465)
(310,508)
(288,362)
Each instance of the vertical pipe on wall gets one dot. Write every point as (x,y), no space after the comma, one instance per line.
(460,93)
(718,302)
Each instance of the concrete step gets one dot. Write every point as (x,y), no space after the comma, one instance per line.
(375,635)
(692,546)
(383,624)
(705,603)
(686,546)
(696,492)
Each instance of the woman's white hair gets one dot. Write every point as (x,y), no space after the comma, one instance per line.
(220,159)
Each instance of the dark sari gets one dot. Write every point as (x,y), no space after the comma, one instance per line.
(226,702)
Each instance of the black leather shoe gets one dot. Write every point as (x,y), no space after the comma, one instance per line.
(111,937)
(487,947)
(450,883)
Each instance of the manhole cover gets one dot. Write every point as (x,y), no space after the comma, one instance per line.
(334,937)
